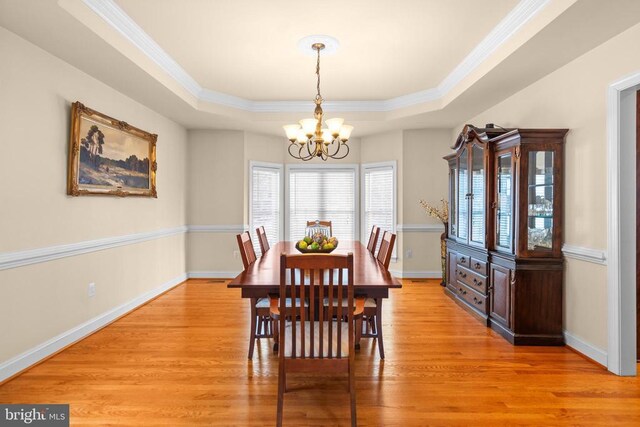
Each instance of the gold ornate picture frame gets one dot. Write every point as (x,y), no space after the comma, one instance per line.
(109,156)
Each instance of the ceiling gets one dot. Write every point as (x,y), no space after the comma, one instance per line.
(248,48)
(234,64)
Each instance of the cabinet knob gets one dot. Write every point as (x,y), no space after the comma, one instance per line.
(477,265)
(477,301)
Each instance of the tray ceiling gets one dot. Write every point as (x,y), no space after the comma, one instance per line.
(247,48)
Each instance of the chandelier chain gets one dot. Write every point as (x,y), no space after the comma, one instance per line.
(318,96)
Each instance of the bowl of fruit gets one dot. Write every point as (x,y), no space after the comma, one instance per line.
(318,243)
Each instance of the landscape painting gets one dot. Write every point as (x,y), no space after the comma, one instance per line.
(108,156)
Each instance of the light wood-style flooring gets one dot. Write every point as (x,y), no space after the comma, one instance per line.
(181,361)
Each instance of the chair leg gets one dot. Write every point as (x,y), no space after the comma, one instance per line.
(358,333)
(276,336)
(281,387)
(352,394)
(252,337)
(379,327)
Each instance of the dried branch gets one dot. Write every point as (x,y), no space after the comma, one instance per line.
(441,213)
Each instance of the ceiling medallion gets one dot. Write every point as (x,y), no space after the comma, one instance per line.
(308,139)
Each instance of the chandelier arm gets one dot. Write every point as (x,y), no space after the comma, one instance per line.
(305,157)
(290,153)
(337,149)
(308,144)
(345,154)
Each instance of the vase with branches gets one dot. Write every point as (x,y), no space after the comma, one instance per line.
(441,213)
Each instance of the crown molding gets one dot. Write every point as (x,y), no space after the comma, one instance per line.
(117,18)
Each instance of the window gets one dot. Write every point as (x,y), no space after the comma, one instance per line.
(265,202)
(322,193)
(378,198)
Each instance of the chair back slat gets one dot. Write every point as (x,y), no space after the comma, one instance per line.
(386,249)
(340,314)
(321,312)
(303,296)
(373,239)
(330,315)
(316,336)
(247,253)
(262,239)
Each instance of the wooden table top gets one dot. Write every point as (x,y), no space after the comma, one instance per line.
(368,274)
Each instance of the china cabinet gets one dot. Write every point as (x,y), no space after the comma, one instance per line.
(504,255)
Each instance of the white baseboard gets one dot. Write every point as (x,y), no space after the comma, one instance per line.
(427,274)
(585,348)
(212,274)
(55,344)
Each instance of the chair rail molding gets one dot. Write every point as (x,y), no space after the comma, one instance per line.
(34,256)
(595,256)
(215,228)
(420,228)
(621,310)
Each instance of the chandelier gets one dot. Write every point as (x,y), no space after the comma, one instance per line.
(309,139)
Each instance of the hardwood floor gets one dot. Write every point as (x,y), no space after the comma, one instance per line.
(181,361)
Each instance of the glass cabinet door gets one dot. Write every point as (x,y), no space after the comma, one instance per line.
(478,196)
(463,195)
(504,202)
(453,195)
(540,201)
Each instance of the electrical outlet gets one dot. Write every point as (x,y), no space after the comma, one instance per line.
(409,254)
(236,254)
(92,290)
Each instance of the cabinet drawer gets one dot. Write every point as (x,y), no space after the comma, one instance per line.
(478,266)
(472,298)
(475,281)
(464,260)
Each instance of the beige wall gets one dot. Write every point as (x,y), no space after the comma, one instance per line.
(574,97)
(41,301)
(424,177)
(216,178)
(421,174)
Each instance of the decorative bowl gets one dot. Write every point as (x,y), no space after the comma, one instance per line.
(319,251)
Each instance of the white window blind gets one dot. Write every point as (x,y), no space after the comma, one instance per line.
(265,198)
(379,201)
(326,194)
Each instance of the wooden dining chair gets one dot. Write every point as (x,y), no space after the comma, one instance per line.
(318,223)
(373,239)
(372,319)
(386,249)
(262,239)
(262,325)
(316,342)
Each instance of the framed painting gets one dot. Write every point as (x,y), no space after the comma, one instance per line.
(109,156)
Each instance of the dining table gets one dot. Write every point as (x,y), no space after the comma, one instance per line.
(262,278)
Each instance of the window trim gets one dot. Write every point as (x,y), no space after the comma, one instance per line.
(266,165)
(356,176)
(372,166)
